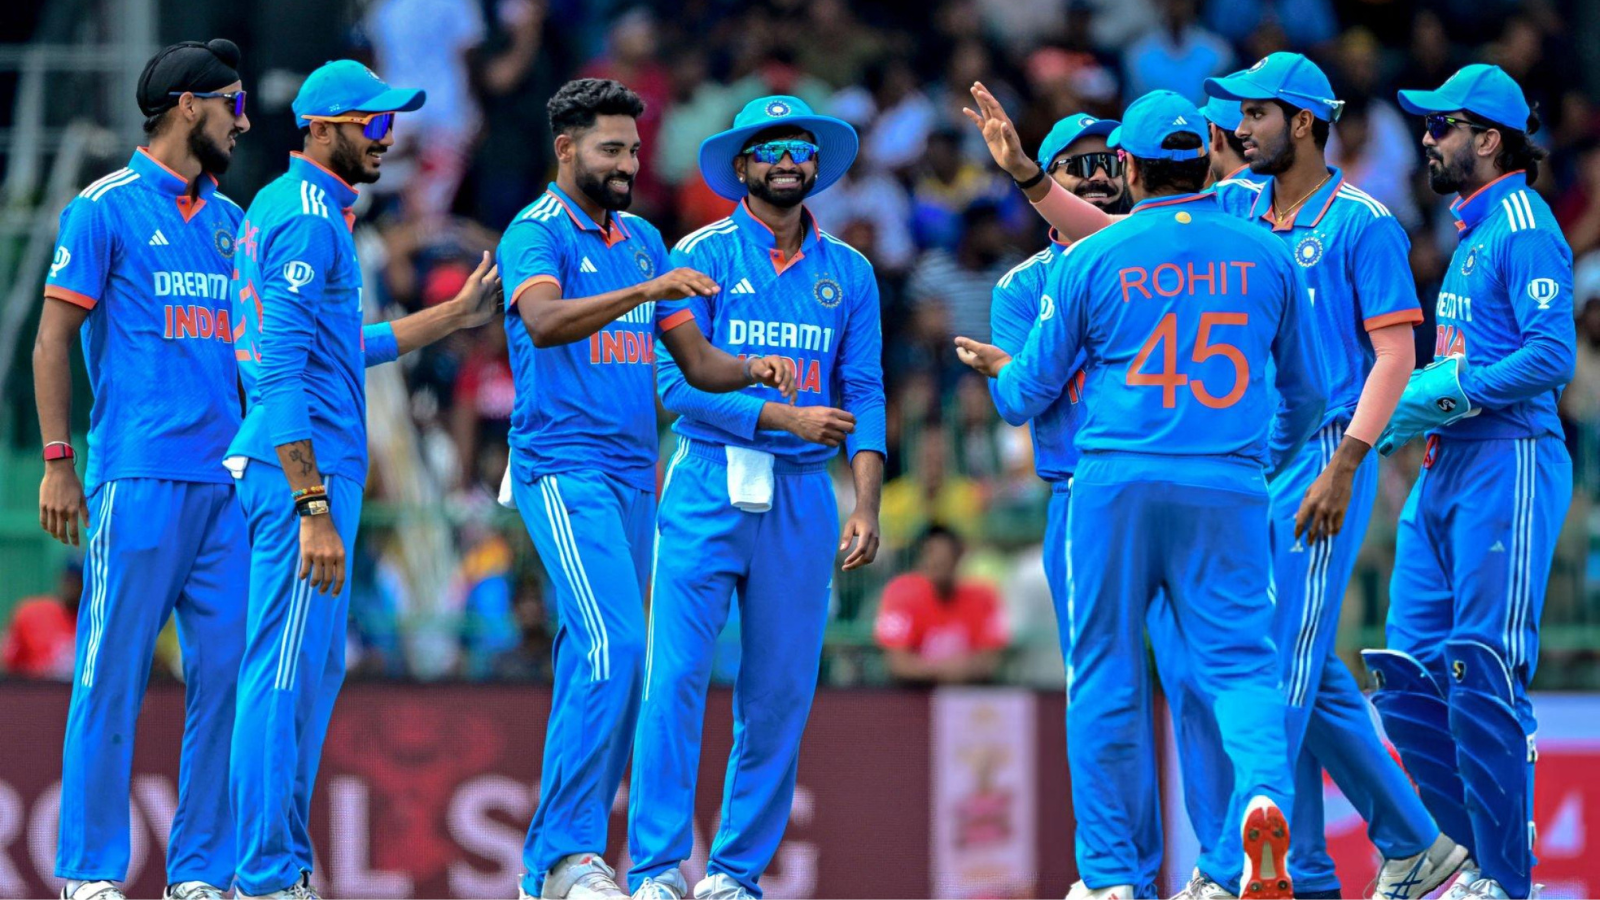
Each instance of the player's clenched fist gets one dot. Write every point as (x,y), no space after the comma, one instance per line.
(986,359)
(61,501)
(321,554)
(774,372)
(680,284)
(817,424)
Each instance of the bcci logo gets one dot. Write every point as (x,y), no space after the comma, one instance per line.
(63,256)
(777,109)
(1308,252)
(1086,121)
(828,292)
(1543,290)
(647,266)
(298,274)
(224,242)
(1446,404)
(1047,307)
(1259,63)
(1468,264)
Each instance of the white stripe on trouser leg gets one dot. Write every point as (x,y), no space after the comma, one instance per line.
(100,565)
(1508,634)
(583,579)
(293,629)
(1072,603)
(1520,591)
(567,555)
(655,557)
(1527,546)
(1315,593)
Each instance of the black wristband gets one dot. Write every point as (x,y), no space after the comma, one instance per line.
(1024,185)
(312,506)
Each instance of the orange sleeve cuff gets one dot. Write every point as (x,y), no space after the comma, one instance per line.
(674,320)
(57,292)
(537,279)
(1403,317)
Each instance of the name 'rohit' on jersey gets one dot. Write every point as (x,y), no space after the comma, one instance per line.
(1506,305)
(152,268)
(818,309)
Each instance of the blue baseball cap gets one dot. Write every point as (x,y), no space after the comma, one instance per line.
(1152,119)
(1480,89)
(1289,77)
(1064,132)
(343,86)
(1224,114)
(837,143)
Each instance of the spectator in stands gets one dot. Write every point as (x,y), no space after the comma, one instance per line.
(905,116)
(40,641)
(962,280)
(1304,23)
(631,59)
(936,628)
(514,71)
(929,491)
(480,416)
(1178,55)
(867,195)
(951,183)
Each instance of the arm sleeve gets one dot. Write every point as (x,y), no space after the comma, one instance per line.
(84,248)
(378,344)
(1538,282)
(1396,358)
(1298,358)
(1385,289)
(735,412)
(1010,322)
(1072,216)
(1037,376)
(301,248)
(859,370)
(529,254)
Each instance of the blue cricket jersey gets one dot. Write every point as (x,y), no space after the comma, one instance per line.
(1178,309)
(302,351)
(818,308)
(152,268)
(588,404)
(1020,301)
(1355,261)
(1506,305)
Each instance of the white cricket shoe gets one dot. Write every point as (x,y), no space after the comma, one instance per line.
(192,890)
(1265,835)
(669,886)
(1202,888)
(721,887)
(1462,888)
(581,876)
(1416,876)
(93,890)
(300,890)
(1081,891)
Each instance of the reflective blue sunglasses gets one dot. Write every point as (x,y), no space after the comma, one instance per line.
(236,98)
(374,126)
(772,151)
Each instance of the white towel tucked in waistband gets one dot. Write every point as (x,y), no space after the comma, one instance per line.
(505,486)
(749,479)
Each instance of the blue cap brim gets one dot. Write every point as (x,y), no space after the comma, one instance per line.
(1422,103)
(836,141)
(1237,87)
(1114,138)
(394,100)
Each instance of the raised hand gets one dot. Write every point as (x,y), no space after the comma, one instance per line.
(1000,134)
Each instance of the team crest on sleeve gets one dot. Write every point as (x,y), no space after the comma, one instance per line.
(827,292)
(298,274)
(224,241)
(647,266)
(1471,262)
(62,257)
(1309,251)
(777,109)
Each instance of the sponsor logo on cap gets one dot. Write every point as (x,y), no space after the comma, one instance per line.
(1259,63)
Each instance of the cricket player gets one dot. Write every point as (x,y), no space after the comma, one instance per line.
(1179,310)
(300,456)
(748,508)
(589,288)
(1354,259)
(1476,537)
(141,273)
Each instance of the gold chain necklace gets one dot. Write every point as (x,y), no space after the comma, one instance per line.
(1280,215)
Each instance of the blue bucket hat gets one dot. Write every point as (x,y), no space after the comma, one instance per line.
(344,86)
(1289,77)
(836,141)
(1224,114)
(1064,132)
(1480,89)
(1152,119)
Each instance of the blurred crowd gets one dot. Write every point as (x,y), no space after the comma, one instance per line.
(925,204)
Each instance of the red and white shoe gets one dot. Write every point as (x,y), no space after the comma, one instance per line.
(1265,834)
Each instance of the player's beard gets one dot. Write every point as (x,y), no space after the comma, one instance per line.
(213,157)
(1115,205)
(1447,175)
(599,188)
(1275,163)
(348,160)
(784,198)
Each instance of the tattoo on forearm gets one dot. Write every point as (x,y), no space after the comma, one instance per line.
(303,458)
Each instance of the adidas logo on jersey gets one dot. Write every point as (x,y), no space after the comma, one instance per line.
(587,266)
(743,287)
(1498,548)
(158,239)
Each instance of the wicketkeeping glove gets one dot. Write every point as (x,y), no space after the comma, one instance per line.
(1433,398)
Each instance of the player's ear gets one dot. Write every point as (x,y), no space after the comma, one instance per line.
(739,164)
(566,148)
(1488,143)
